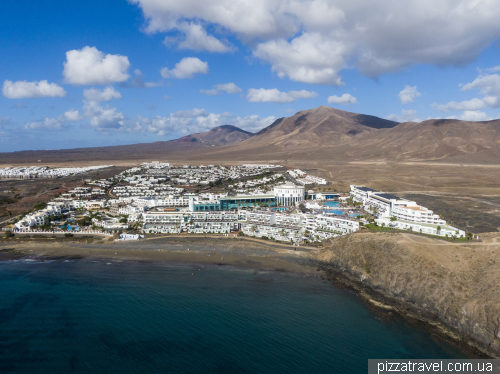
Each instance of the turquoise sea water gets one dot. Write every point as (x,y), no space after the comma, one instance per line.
(125,317)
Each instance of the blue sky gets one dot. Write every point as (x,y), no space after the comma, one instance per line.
(80,74)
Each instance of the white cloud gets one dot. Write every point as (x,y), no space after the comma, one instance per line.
(195,37)
(472,115)
(230,88)
(309,58)
(166,98)
(186,68)
(488,84)
(473,104)
(26,90)
(408,94)
(493,69)
(345,99)
(195,121)
(89,66)
(104,118)
(312,41)
(106,94)
(273,95)
(407,115)
(72,115)
(47,124)
(212,92)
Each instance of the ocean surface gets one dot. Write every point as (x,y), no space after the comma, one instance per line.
(88,316)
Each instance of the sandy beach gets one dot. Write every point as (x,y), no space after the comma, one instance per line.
(222,251)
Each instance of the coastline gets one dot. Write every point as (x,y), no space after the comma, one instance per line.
(221,251)
(243,253)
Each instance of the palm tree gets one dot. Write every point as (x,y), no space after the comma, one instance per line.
(438,229)
(470,235)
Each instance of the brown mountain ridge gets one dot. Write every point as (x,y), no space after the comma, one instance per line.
(322,134)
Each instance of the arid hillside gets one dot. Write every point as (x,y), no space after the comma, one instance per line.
(322,135)
(452,285)
(219,135)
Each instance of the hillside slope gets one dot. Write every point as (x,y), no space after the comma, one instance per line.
(453,286)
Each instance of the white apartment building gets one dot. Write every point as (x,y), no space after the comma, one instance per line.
(405,214)
(192,222)
(289,194)
(295,227)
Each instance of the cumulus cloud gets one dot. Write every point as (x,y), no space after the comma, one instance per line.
(407,115)
(274,95)
(47,124)
(195,37)
(195,121)
(472,115)
(230,88)
(345,99)
(408,94)
(186,69)
(107,94)
(28,90)
(312,41)
(72,115)
(474,104)
(487,84)
(89,66)
(104,118)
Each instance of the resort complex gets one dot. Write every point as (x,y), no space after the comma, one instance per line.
(393,211)
(264,201)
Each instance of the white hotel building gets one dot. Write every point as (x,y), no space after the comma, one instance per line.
(288,194)
(409,215)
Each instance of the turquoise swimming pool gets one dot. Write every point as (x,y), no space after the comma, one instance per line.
(70,228)
(332,204)
(337,212)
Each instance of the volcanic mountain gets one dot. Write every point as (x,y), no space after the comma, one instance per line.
(329,134)
(323,134)
(221,135)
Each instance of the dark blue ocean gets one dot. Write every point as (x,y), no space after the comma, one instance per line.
(125,317)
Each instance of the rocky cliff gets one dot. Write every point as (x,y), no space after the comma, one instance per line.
(453,286)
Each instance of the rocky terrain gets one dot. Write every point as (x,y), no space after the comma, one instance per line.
(455,287)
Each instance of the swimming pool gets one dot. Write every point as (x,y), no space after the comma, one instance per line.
(355,215)
(337,212)
(332,204)
(70,228)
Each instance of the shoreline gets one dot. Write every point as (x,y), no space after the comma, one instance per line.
(247,254)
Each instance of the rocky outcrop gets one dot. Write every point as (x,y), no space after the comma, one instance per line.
(455,287)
